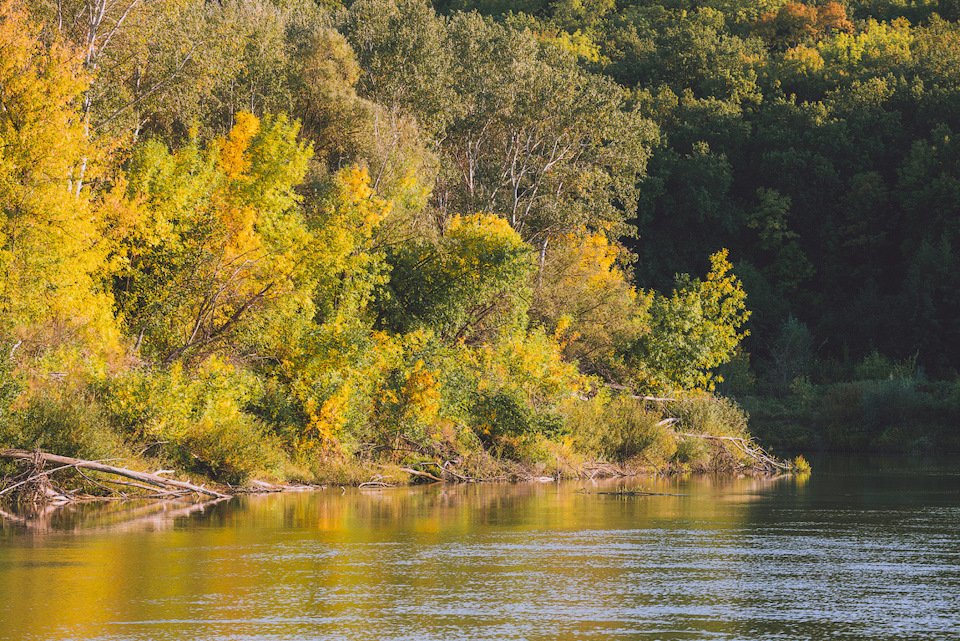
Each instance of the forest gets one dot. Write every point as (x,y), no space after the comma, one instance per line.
(306,240)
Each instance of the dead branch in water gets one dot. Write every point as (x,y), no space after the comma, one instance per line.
(604,470)
(377,482)
(626,492)
(426,475)
(760,458)
(41,476)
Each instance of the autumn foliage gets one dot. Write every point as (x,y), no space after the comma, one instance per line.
(193,274)
(795,23)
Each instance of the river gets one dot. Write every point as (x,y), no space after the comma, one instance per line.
(862,549)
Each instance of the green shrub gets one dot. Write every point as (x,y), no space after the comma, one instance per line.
(503,413)
(783,424)
(620,429)
(707,414)
(197,420)
(877,367)
(691,449)
(225,450)
(11,384)
(841,404)
(66,422)
(874,367)
(633,431)
(889,402)
(520,386)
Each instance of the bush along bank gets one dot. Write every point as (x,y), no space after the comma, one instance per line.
(209,431)
(894,416)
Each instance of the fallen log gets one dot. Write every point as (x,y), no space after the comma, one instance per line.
(378,482)
(639,493)
(143,477)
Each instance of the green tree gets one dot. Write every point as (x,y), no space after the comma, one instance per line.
(404,56)
(685,50)
(470,286)
(685,212)
(692,331)
(931,304)
(541,143)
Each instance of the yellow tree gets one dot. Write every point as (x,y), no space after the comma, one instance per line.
(326,364)
(584,296)
(220,235)
(50,247)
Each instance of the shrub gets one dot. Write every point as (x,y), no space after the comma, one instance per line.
(621,429)
(707,414)
(519,386)
(874,367)
(10,386)
(877,367)
(691,449)
(890,403)
(800,465)
(197,420)
(66,421)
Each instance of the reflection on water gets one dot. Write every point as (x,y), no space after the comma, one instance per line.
(859,550)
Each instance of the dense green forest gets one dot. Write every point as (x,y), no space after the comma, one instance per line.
(303,239)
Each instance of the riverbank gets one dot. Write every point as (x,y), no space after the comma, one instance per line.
(45,478)
(223,427)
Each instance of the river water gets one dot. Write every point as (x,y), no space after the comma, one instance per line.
(862,549)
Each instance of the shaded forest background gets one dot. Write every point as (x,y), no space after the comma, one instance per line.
(814,141)
(288,234)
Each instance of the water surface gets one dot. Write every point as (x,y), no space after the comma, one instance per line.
(861,549)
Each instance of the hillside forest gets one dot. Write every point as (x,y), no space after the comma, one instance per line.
(309,240)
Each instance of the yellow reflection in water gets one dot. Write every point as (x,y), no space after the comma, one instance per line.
(80,571)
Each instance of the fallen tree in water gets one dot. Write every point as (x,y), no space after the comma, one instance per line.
(34,484)
(760,460)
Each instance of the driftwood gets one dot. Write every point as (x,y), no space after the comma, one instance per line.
(448,473)
(152,480)
(378,482)
(639,493)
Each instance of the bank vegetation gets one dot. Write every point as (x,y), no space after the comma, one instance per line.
(291,240)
